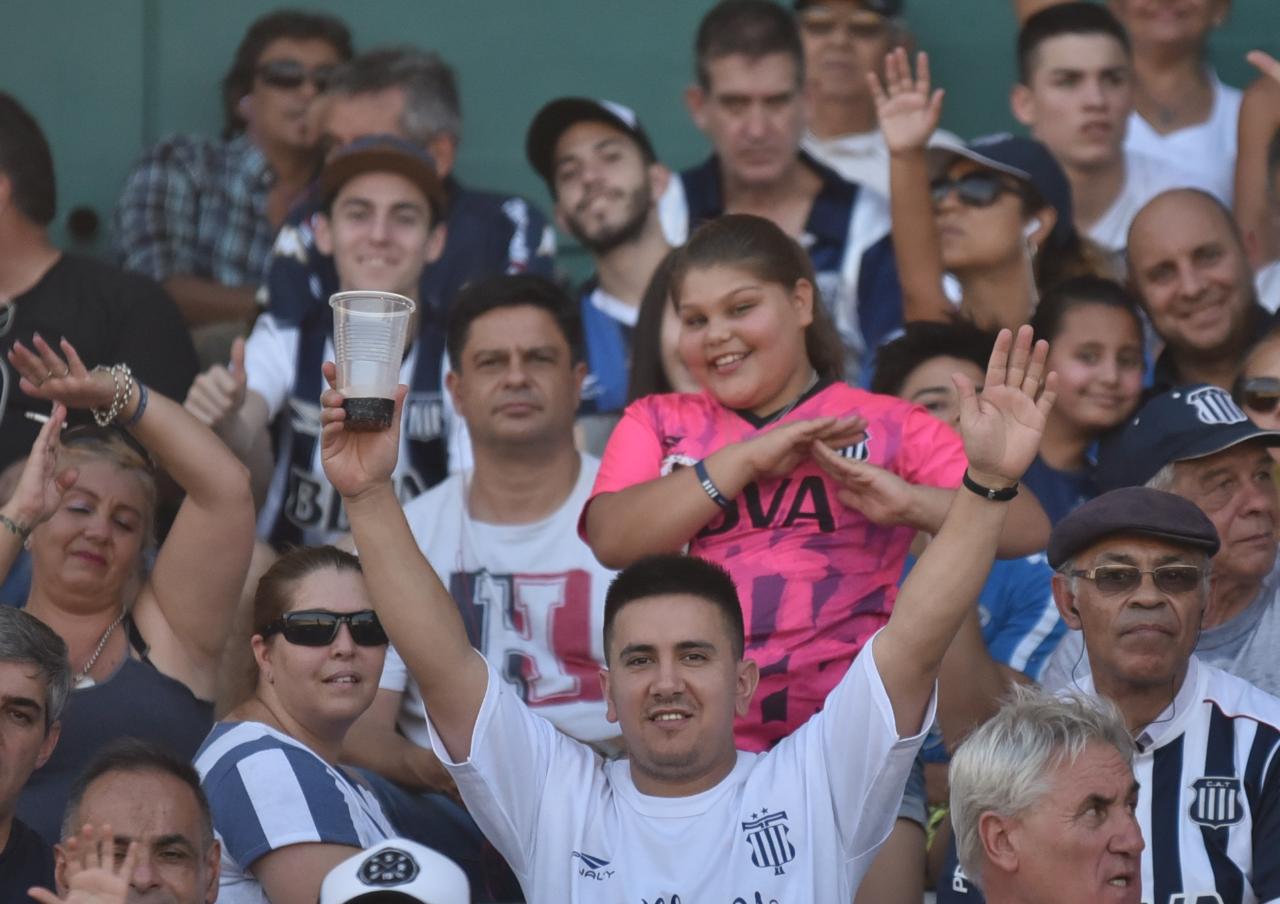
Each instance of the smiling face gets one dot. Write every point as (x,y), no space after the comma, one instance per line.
(381,234)
(285,115)
(24,743)
(743,338)
(92,545)
(161,813)
(1086,818)
(674,686)
(1140,638)
(1097,354)
(753,113)
(1078,99)
(324,688)
(604,187)
(1191,273)
(843,42)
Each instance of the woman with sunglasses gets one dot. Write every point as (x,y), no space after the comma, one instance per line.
(995,214)
(283,809)
(1257,390)
(144,627)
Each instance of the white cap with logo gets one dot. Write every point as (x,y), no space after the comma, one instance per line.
(396,869)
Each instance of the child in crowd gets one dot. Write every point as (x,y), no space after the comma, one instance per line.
(807,490)
(1095,346)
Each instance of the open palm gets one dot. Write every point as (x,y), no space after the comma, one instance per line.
(1002,427)
(907,109)
(93,875)
(40,487)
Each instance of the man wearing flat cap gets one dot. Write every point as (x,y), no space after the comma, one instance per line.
(1195,442)
(1132,575)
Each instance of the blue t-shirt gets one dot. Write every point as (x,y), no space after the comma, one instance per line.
(1059,492)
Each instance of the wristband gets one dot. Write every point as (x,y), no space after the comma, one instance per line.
(1004,494)
(18,530)
(137,412)
(700,469)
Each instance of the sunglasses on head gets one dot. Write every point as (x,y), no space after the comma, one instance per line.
(317,628)
(980,189)
(1123,578)
(290,74)
(1262,394)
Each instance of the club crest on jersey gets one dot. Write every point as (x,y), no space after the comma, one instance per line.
(859,451)
(1215,406)
(1217,802)
(767,835)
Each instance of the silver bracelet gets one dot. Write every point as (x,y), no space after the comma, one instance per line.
(122,380)
(19,530)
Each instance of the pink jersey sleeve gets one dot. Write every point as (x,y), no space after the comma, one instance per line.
(932,452)
(633,455)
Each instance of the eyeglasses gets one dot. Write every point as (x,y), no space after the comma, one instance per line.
(317,628)
(1123,578)
(1262,394)
(290,74)
(979,189)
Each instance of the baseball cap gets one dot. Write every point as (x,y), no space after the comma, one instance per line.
(396,870)
(1181,424)
(886,8)
(1023,158)
(384,153)
(1132,510)
(558,115)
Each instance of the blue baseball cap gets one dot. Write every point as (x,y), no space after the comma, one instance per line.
(1025,159)
(1178,425)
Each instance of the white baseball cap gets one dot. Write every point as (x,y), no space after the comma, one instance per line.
(396,870)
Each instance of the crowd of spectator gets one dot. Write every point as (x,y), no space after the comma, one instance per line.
(887,515)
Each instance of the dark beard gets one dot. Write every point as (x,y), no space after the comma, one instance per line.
(638,205)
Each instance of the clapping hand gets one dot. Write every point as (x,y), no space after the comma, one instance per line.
(93,875)
(1002,427)
(356,461)
(40,486)
(778,451)
(46,374)
(906,108)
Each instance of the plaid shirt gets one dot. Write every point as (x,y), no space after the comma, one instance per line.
(197,206)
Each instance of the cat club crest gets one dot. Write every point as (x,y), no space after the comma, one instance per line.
(767,835)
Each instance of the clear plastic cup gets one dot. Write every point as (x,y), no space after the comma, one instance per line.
(369,338)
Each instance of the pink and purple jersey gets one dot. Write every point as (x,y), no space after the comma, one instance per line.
(815,577)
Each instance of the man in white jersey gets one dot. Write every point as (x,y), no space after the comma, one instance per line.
(687,815)
(1075,93)
(1133,577)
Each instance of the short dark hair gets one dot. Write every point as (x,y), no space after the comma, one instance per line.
(1078,292)
(671,573)
(1078,18)
(923,341)
(133,755)
(511,291)
(431,101)
(281,23)
(26,160)
(753,28)
(26,639)
(648,376)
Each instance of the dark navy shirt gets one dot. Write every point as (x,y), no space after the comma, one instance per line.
(26,861)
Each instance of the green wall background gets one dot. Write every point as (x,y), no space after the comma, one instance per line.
(108,77)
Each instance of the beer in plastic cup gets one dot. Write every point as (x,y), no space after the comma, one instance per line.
(369,338)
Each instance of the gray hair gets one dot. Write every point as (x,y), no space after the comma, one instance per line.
(1004,767)
(26,639)
(431,106)
(1163,479)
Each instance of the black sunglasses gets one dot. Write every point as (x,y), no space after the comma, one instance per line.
(318,628)
(1123,578)
(289,74)
(980,189)
(1262,394)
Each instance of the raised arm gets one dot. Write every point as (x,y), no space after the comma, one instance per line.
(663,514)
(35,497)
(414,607)
(185,609)
(909,113)
(1257,127)
(1001,430)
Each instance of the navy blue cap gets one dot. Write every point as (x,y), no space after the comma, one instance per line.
(555,118)
(1023,158)
(384,153)
(1134,511)
(1181,424)
(886,8)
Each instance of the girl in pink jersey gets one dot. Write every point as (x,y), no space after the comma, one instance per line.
(807,490)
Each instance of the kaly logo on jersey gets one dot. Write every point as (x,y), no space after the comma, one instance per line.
(592,867)
(767,835)
(1217,802)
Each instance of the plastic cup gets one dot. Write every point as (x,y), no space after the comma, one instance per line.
(368,336)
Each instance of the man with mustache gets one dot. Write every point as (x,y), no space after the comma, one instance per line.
(1133,577)
(606,180)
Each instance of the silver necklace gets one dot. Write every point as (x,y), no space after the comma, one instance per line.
(773,419)
(83,680)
